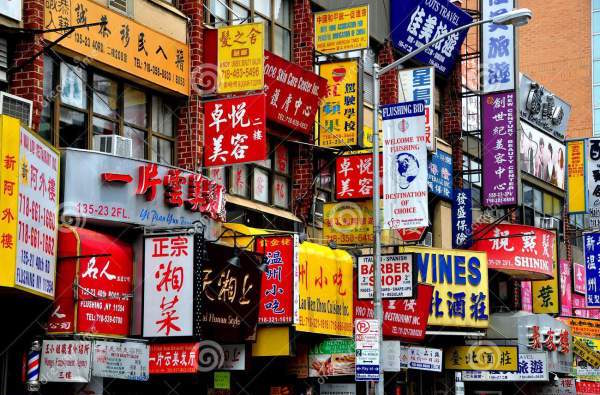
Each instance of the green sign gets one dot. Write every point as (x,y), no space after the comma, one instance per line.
(222,380)
(334,346)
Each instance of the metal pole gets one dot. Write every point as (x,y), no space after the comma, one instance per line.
(377,227)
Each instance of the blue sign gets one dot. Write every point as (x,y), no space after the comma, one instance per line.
(462,219)
(439,178)
(414,23)
(591,252)
(498,48)
(367,373)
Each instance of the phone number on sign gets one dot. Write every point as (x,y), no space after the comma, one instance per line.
(101,210)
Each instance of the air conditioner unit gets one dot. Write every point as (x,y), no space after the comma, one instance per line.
(113,144)
(16,107)
(427,240)
(547,223)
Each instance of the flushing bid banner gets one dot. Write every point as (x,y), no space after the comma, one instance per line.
(404,166)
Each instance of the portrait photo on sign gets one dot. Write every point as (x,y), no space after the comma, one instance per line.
(543,156)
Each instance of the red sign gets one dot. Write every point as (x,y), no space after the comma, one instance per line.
(103,276)
(523,251)
(173,358)
(587,387)
(580,310)
(293,93)
(411,234)
(404,319)
(277,284)
(235,130)
(566,300)
(579,278)
(355,176)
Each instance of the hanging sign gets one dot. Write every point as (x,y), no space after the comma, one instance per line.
(531,367)
(342,30)
(354,176)
(545,293)
(332,357)
(591,252)
(419,84)
(234,357)
(566,301)
(585,352)
(66,361)
(120,360)
(582,327)
(421,358)
(398,276)
(576,166)
(542,155)
(503,358)
(348,223)
(462,218)
(498,49)
(173,358)
(579,283)
(439,178)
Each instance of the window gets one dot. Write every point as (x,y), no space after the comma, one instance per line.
(577,222)
(87,103)
(275,14)
(472,178)
(538,204)
(596,65)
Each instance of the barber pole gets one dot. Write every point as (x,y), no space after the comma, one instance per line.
(32,382)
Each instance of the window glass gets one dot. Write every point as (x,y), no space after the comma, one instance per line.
(245,2)
(282,12)
(260,185)
(281,44)
(263,6)
(595,21)
(72,130)
(162,116)
(219,10)
(548,206)
(557,212)
(597,119)
(104,96)
(281,192)
(102,126)
(528,216)
(72,81)
(46,121)
(537,200)
(282,160)
(48,77)
(596,44)
(135,106)
(217,174)
(595,4)
(527,196)
(239,180)
(597,72)
(138,138)
(162,151)
(266,29)
(240,15)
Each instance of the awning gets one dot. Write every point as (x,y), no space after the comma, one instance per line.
(242,236)
(261,208)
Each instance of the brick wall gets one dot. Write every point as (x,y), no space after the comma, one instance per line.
(452,120)
(27,82)
(388,83)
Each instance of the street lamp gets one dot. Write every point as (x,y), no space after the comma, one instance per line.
(517,17)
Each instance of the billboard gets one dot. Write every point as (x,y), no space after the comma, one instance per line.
(542,156)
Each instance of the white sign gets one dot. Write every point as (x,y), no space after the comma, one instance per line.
(565,386)
(396,276)
(366,342)
(337,389)
(404,166)
(498,49)
(592,155)
(531,367)
(391,356)
(235,357)
(38,215)
(418,84)
(67,361)
(421,358)
(121,360)
(12,9)
(168,286)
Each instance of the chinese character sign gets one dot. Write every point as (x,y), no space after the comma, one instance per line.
(66,361)
(235,130)
(592,155)
(168,286)
(566,300)
(293,93)
(240,58)
(545,293)
(173,358)
(591,252)
(120,360)
(576,162)
(421,358)
(503,358)
(342,30)
(543,333)
(439,177)
(405,203)
(414,23)
(499,149)
(354,178)
(579,278)
(526,296)
(498,48)
(531,367)
(121,43)
(462,218)
(339,113)
(419,84)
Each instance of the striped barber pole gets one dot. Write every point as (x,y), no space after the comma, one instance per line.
(33,365)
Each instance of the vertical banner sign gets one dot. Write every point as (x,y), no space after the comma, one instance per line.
(576,159)
(418,84)
(462,219)
(235,130)
(499,149)
(366,339)
(498,48)
(240,58)
(440,175)
(354,176)
(545,293)
(579,278)
(566,300)
(168,286)
(526,296)
(339,115)
(593,181)
(342,30)
(591,252)
(405,202)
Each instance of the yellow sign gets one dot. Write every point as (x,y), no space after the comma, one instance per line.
(272,342)
(342,30)
(348,223)
(502,358)
(240,58)
(576,176)
(325,291)
(582,326)
(460,277)
(338,113)
(585,352)
(545,293)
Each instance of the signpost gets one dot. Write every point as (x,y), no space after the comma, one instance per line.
(366,336)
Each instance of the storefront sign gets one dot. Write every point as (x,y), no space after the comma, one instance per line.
(585,352)
(229,294)
(498,49)
(439,178)
(545,293)
(531,367)
(519,250)
(277,283)
(582,327)
(460,298)
(417,22)
(565,386)
(419,84)
(543,109)
(543,156)
(339,114)
(589,349)
(366,339)
(580,310)
(576,164)
(325,291)
(342,30)
(587,387)
(405,160)
(592,155)
(591,252)
(168,286)
(29,210)
(398,276)
(348,223)
(332,357)
(499,143)
(13,9)
(337,389)
(421,358)
(173,358)
(66,361)
(526,296)
(235,357)
(566,301)
(354,176)
(462,218)
(122,43)
(579,284)
(120,360)
(504,358)
(293,93)
(124,190)
(235,130)
(240,58)
(402,319)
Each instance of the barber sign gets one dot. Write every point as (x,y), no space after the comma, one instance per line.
(397,276)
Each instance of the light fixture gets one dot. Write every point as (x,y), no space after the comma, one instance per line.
(518,17)
(235,259)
